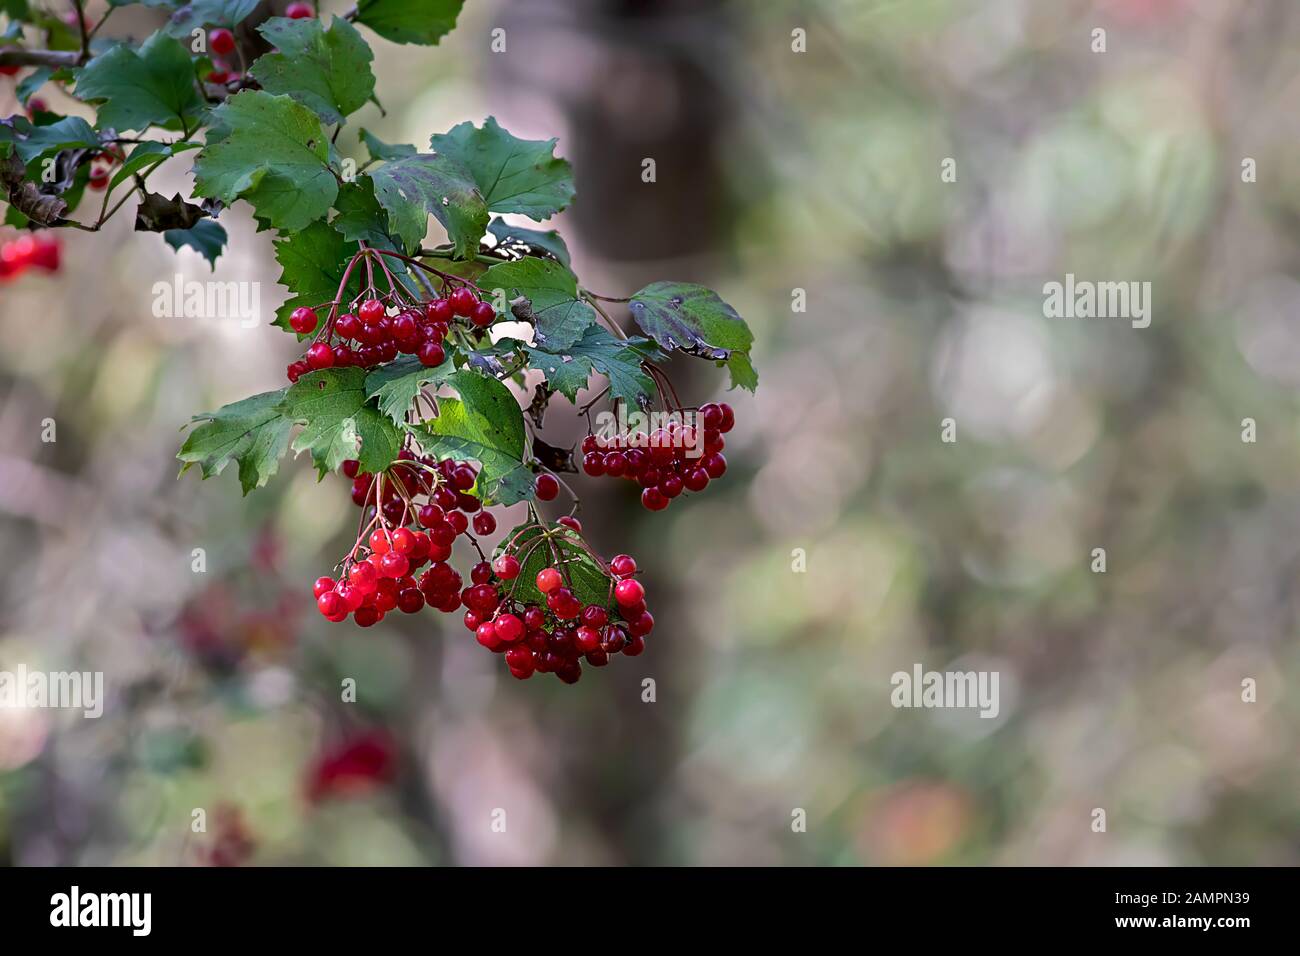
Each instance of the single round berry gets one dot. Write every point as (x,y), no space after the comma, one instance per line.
(348,326)
(711,415)
(410,600)
(623,565)
(506,567)
(486,634)
(222,42)
(431,354)
(671,486)
(654,500)
(367,616)
(629,592)
(403,541)
(547,487)
(463,478)
(394,565)
(322,585)
(371,311)
(587,639)
(728,418)
(635,645)
(643,625)
(303,320)
(593,464)
(593,615)
(548,579)
(615,464)
(329,603)
(363,577)
(481,573)
(509,628)
(483,315)
(439,312)
(462,301)
(379,541)
(430,516)
(715,465)
(320,356)
(484,523)
(697,479)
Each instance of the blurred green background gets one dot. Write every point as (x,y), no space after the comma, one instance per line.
(777,171)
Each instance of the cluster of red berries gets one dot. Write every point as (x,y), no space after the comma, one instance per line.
(668,461)
(378,337)
(417,509)
(406,536)
(28,251)
(222,43)
(557,638)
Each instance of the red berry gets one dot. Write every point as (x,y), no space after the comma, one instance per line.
(484,523)
(547,487)
(367,616)
(483,315)
(347,325)
(430,516)
(322,585)
(403,541)
(506,567)
(519,658)
(431,354)
(629,592)
(351,596)
(394,565)
(302,320)
(715,465)
(697,479)
(635,645)
(728,418)
(615,464)
(363,577)
(623,565)
(320,356)
(481,573)
(593,615)
(379,542)
(329,603)
(711,415)
(371,311)
(587,639)
(593,463)
(439,312)
(548,579)
(410,600)
(457,519)
(671,486)
(509,628)
(462,301)
(299,11)
(222,42)
(570,522)
(653,499)
(486,634)
(643,625)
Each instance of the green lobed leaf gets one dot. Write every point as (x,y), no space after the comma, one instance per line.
(514,175)
(552,290)
(71,132)
(410,21)
(253,432)
(413,187)
(154,86)
(201,13)
(312,263)
(549,240)
(599,351)
(206,237)
(271,151)
(380,150)
(485,424)
(694,320)
(328,71)
(588,580)
(395,384)
(338,421)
